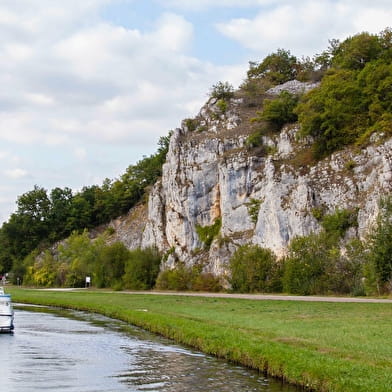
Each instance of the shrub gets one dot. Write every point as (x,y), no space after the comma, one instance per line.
(184,278)
(222,91)
(109,267)
(380,247)
(252,269)
(278,67)
(222,105)
(318,212)
(306,265)
(337,223)
(254,140)
(253,209)
(280,110)
(208,233)
(191,124)
(142,269)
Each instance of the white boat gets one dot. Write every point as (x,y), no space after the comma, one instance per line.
(6,312)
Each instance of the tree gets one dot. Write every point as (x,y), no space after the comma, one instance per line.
(380,251)
(252,269)
(355,52)
(222,90)
(60,210)
(279,111)
(141,269)
(109,267)
(308,260)
(278,67)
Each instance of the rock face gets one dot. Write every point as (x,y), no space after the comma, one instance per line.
(262,196)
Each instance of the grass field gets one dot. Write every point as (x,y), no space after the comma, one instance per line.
(324,346)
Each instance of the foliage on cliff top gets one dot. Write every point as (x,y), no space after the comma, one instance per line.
(354,98)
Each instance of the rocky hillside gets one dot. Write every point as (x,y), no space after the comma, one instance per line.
(217,192)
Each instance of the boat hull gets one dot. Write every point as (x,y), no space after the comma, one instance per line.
(6,323)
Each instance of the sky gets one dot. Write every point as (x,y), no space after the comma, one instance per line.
(88,87)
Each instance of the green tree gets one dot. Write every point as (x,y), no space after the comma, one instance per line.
(307,263)
(279,111)
(355,52)
(109,267)
(222,90)
(381,246)
(141,269)
(278,67)
(60,210)
(80,254)
(252,269)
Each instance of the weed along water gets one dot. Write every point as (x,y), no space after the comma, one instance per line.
(68,351)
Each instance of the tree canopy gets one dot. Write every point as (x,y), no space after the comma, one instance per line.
(44,217)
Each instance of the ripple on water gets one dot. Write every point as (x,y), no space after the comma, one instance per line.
(89,353)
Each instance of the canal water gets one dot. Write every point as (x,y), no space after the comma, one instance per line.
(67,351)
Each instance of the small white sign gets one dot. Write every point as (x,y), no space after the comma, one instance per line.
(88,279)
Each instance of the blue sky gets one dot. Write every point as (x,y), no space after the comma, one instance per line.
(89,87)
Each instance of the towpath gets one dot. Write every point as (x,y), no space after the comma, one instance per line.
(256,297)
(261,297)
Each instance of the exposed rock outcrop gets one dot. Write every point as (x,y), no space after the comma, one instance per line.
(262,197)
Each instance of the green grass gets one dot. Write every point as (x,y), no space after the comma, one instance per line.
(324,346)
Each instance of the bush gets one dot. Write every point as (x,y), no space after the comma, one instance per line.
(380,247)
(222,105)
(222,90)
(142,269)
(184,278)
(306,265)
(252,269)
(208,233)
(279,111)
(278,67)
(336,224)
(109,267)
(253,209)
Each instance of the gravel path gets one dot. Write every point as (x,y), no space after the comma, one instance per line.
(261,297)
(256,297)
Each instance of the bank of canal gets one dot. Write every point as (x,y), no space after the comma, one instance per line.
(323,346)
(70,351)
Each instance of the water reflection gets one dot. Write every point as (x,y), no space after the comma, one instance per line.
(77,352)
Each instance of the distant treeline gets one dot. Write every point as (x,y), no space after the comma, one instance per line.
(42,219)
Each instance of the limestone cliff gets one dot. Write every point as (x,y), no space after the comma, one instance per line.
(264,196)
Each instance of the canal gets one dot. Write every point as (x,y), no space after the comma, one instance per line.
(67,351)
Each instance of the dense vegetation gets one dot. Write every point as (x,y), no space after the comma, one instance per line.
(353,100)
(108,265)
(320,263)
(42,218)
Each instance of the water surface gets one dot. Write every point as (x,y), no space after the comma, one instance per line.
(66,351)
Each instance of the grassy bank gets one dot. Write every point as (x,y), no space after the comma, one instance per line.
(325,346)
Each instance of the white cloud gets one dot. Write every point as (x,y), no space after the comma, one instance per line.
(305,27)
(80,153)
(15,173)
(71,80)
(205,4)
(101,82)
